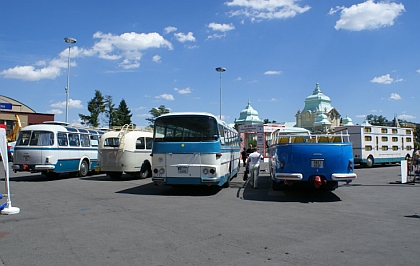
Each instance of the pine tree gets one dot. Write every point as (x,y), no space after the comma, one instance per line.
(96,106)
(122,114)
(155,112)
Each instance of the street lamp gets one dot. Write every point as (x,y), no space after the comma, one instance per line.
(70,41)
(220,70)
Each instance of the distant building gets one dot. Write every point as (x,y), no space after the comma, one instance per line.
(318,115)
(9,108)
(248,116)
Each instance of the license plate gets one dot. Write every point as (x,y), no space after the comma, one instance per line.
(317,163)
(182,169)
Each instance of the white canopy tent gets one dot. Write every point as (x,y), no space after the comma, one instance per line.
(6,208)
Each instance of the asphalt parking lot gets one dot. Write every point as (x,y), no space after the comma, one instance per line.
(99,221)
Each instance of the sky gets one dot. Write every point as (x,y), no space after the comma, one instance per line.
(364,54)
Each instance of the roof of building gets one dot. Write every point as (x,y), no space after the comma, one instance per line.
(16,105)
(248,116)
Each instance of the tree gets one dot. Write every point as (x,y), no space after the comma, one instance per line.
(376,120)
(122,114)
(109,111)
(156,112)
(96,106)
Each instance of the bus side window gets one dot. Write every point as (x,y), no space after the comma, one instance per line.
(149,143)
(84,140)
(62,139)
(94,140)
(74,139)
(140,143)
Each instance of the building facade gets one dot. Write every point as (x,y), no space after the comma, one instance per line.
(318,115)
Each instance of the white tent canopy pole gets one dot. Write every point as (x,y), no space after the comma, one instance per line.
(6,208)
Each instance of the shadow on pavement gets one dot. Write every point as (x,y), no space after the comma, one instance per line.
(264,192)
(179,190)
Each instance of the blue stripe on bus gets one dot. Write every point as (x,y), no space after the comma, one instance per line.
(186,147)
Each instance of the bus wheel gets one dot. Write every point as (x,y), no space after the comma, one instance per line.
(369,162)
(84,168)
(227,183)
(146,170)
(114,175)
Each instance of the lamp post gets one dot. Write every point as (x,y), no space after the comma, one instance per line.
(220,70)
(70,41)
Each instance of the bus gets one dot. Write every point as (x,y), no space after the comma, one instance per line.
(194,149)
(125,149)
(319,161)
(379,144)
(52,148)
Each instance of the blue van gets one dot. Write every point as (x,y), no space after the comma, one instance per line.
(319,161)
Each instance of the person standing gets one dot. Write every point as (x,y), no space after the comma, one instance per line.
(415,158)
(244,155)
(253,162)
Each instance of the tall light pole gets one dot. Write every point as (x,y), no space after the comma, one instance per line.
(220,70)
(70,41)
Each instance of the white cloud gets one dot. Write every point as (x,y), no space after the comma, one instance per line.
(385,79)
(169,29)
(272,72)
(55,111)
(182,37)
(238,79)
(183,91)
(221,27)
(406,117)
(258,10)
(126,47)
(156,58)
(72,104)
(395,96)
(418,71)
(165,96)
(367,15)
(30,73)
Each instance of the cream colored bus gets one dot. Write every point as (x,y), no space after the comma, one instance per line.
(125,150)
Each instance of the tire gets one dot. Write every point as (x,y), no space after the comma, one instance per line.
(145,170)
(369,162)
(84,168)
(114,175)
(226,184)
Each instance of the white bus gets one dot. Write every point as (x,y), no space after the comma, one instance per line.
(379,144)
(54,147)
(125,150)
(194,149)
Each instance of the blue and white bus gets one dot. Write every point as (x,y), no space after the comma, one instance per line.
(53,148)
(194,149)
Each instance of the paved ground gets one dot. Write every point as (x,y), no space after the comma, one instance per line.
(99,221)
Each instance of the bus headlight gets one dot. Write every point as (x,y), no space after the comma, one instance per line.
(212,171)
(205,171)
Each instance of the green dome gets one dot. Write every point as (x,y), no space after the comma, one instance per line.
(317,101)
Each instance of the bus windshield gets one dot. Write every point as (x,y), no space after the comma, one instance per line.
(186,129)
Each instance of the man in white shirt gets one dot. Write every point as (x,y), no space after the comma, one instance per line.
(253,162)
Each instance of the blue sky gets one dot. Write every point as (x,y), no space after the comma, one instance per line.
(364,54)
